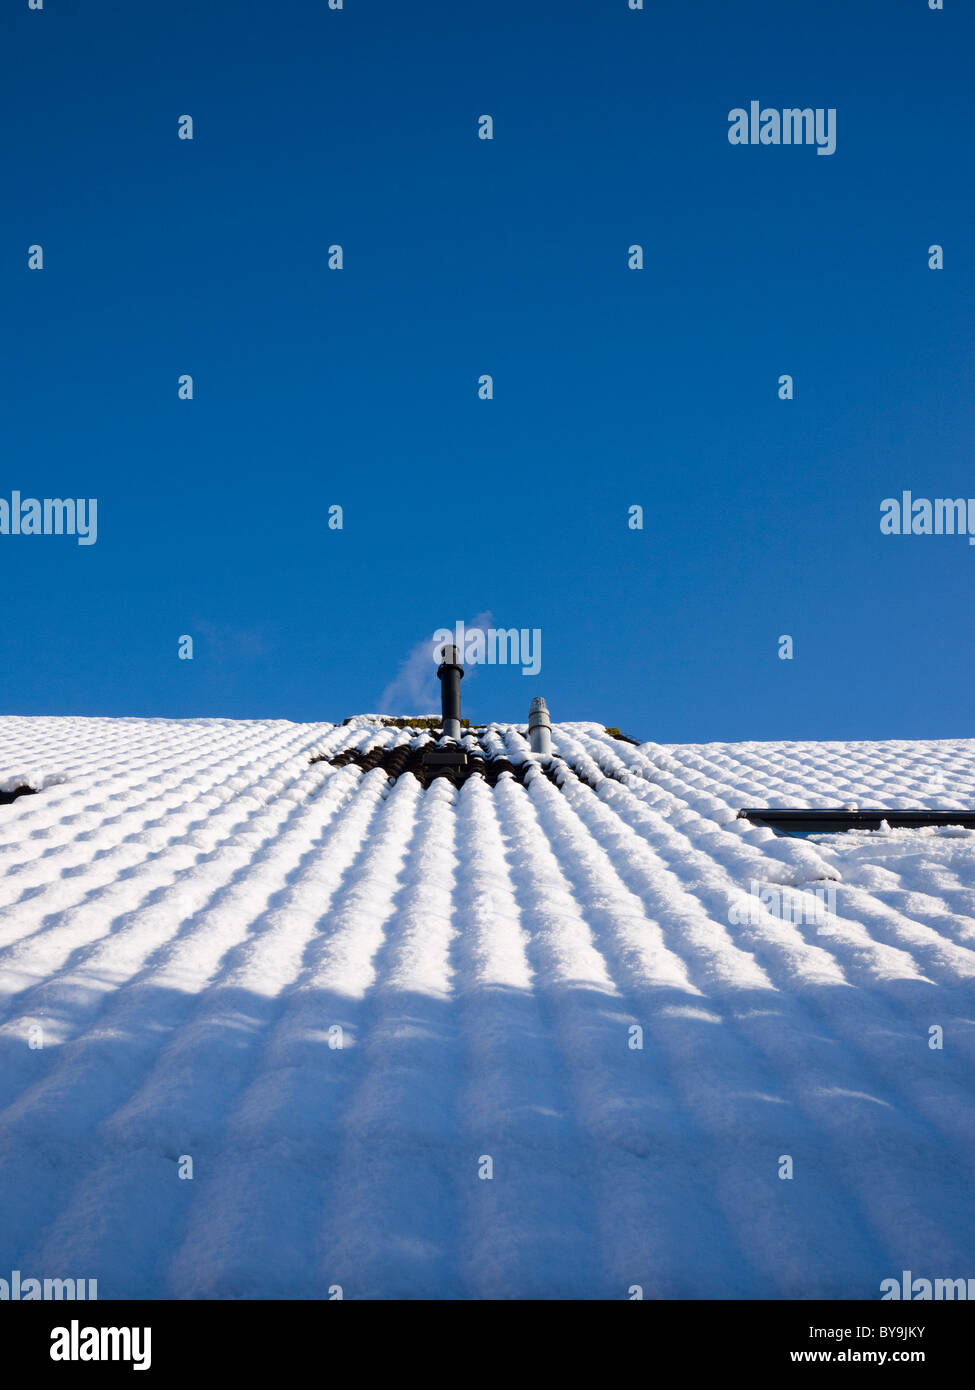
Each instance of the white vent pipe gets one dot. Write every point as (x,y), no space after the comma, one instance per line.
(540,727)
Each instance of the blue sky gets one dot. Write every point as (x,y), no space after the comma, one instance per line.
(612,387)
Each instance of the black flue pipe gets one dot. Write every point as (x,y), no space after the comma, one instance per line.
(450,673)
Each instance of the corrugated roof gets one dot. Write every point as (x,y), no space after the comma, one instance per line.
(195,914)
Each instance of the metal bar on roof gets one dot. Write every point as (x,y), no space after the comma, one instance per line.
(799,818)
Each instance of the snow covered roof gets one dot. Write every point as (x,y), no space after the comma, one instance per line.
(551,1037)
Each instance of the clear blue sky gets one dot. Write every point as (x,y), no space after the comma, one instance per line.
(462,257)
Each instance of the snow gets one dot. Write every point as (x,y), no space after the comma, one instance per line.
(196,915)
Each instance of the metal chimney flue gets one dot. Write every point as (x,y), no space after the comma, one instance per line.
(540,727)
(450,673)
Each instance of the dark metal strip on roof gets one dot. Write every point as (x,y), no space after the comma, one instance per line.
(801,819)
